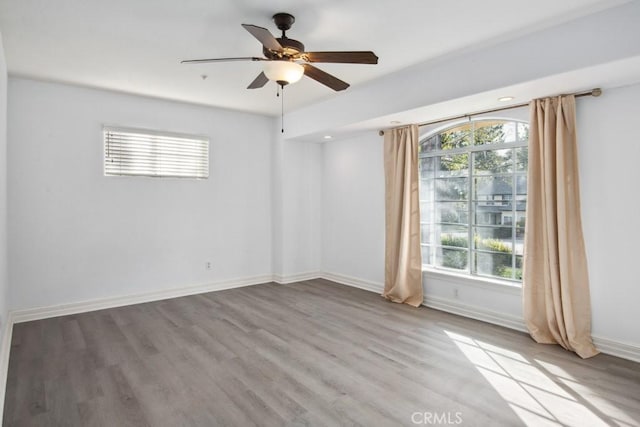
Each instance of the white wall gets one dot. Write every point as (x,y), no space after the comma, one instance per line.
(353,208)
(609,179)
(353,223)
(4,275)
(302,209)
(77,235)
(297,209)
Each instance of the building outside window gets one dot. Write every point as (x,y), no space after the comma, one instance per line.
(473,196)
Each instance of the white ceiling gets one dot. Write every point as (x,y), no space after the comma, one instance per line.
(135,46)
(609,75)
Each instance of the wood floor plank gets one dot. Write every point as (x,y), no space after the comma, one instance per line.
(313,353)
(119,398)
(72,334)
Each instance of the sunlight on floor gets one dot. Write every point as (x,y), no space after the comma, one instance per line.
(539,392)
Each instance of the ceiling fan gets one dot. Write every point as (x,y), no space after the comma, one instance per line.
(286,61)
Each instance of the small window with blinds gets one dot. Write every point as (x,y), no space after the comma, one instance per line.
(136,152)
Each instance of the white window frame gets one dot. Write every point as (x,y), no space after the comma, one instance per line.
(469,273)
(155,154)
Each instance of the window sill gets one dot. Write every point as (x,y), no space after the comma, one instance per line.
(481,282)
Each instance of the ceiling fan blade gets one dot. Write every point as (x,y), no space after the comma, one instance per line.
(324,78)
(197,61)
(259,82)
(264,36)
(355,57)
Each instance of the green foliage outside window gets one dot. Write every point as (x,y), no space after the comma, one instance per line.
(476,168)
(501,259)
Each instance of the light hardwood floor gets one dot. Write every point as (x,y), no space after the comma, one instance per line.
(311,353)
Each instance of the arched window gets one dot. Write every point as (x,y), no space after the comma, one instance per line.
(473,196)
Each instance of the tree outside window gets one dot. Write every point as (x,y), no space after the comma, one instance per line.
(473,194)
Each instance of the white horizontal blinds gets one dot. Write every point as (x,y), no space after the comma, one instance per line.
(156,154)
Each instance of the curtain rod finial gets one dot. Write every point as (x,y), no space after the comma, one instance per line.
(381,133)
(596,92)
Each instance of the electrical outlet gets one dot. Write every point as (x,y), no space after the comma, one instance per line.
(207,265)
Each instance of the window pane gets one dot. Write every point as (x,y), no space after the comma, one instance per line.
(452,230)
(452,213)
(489,189)
(429,144)
(493,132)
(493,264)
(427,187)
(452,189)
(452,258)
(521,214)
(519,248)
(521,185)
(426,166)
(426,254)
(492,162)
(453,165)
(456,236)
(522,159)
(458,137)
(493,212)
(494,233)
(427,213)
(523,132)
(426,233)
(509,130)
(484,217)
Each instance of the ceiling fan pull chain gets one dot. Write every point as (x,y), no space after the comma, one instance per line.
(282,111)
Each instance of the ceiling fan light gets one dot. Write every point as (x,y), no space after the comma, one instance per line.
(283,71)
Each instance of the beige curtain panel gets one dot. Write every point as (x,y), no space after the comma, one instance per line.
(557,305)
(403,262)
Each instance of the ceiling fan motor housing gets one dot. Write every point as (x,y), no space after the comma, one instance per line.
(290,49)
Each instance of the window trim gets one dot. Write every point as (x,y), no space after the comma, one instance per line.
(485,282)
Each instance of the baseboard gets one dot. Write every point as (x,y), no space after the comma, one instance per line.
(442,304)
(618,348)
(298,277)
(607,346)
(475,312)
(4,359)
(38,313)
(354,282)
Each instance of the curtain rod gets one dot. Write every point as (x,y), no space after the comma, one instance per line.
(592,92)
